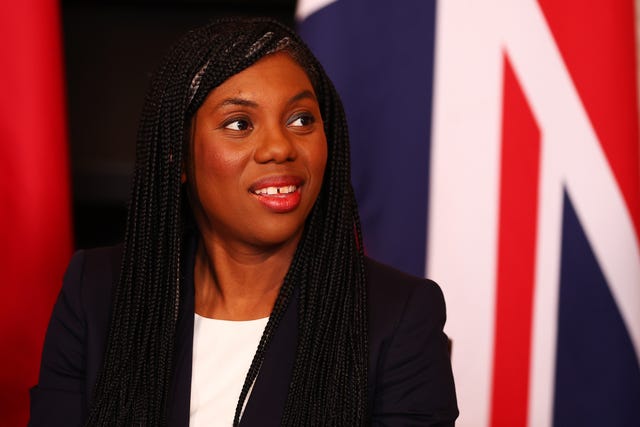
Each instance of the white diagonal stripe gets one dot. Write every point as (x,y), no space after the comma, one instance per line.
(306,8)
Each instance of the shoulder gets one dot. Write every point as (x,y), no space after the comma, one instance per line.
(97,263)
(392,292)
(410,379)
(90,278)
(103,262)
(87,289)
(75,338)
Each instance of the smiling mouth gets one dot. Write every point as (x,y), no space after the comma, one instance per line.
(279,194)
(274,191)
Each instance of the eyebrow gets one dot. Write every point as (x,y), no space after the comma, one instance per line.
(305,94)
(237,101)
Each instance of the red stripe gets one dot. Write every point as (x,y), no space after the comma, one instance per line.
(597,43)
(516,256)
(35,238)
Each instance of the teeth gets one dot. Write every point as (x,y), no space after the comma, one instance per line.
(270,191)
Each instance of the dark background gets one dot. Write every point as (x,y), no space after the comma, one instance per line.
(111,48)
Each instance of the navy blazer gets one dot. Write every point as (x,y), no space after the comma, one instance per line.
(409,380)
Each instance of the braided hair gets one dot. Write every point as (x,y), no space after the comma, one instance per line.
(329,379)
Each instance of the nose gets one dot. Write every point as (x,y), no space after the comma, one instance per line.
(275,145)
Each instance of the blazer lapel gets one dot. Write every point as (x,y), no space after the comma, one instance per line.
(268,397)
(179,404)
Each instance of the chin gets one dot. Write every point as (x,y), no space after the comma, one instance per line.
(277,235)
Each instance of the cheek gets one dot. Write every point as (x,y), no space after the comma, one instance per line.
(319,157)
(218,163)
(321,162)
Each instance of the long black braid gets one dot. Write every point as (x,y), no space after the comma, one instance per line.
(329,381)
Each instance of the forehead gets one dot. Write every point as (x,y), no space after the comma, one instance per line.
(277,71)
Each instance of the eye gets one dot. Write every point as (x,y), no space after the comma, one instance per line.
(300,120)
(238,124)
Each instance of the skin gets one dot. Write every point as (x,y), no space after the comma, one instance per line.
(261,127)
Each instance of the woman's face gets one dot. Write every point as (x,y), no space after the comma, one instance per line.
(258,155)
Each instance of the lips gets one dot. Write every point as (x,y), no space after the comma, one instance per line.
(279,194)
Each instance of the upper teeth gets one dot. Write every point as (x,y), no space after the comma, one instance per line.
(276,190)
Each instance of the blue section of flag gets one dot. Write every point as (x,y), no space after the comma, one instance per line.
(379,54)
(597,372)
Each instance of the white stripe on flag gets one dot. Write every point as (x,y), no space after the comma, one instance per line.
(465,164)
(305,8)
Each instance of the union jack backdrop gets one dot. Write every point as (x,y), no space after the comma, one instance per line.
(495,149)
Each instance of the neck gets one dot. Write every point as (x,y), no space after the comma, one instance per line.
(238,283)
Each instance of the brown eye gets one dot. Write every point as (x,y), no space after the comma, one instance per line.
(238,124)
(300,120)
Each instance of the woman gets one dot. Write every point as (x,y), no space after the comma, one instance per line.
(243,223)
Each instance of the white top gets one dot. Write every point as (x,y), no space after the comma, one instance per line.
(222,354)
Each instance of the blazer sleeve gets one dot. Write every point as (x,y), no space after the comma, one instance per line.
(414,385)
(59,397)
